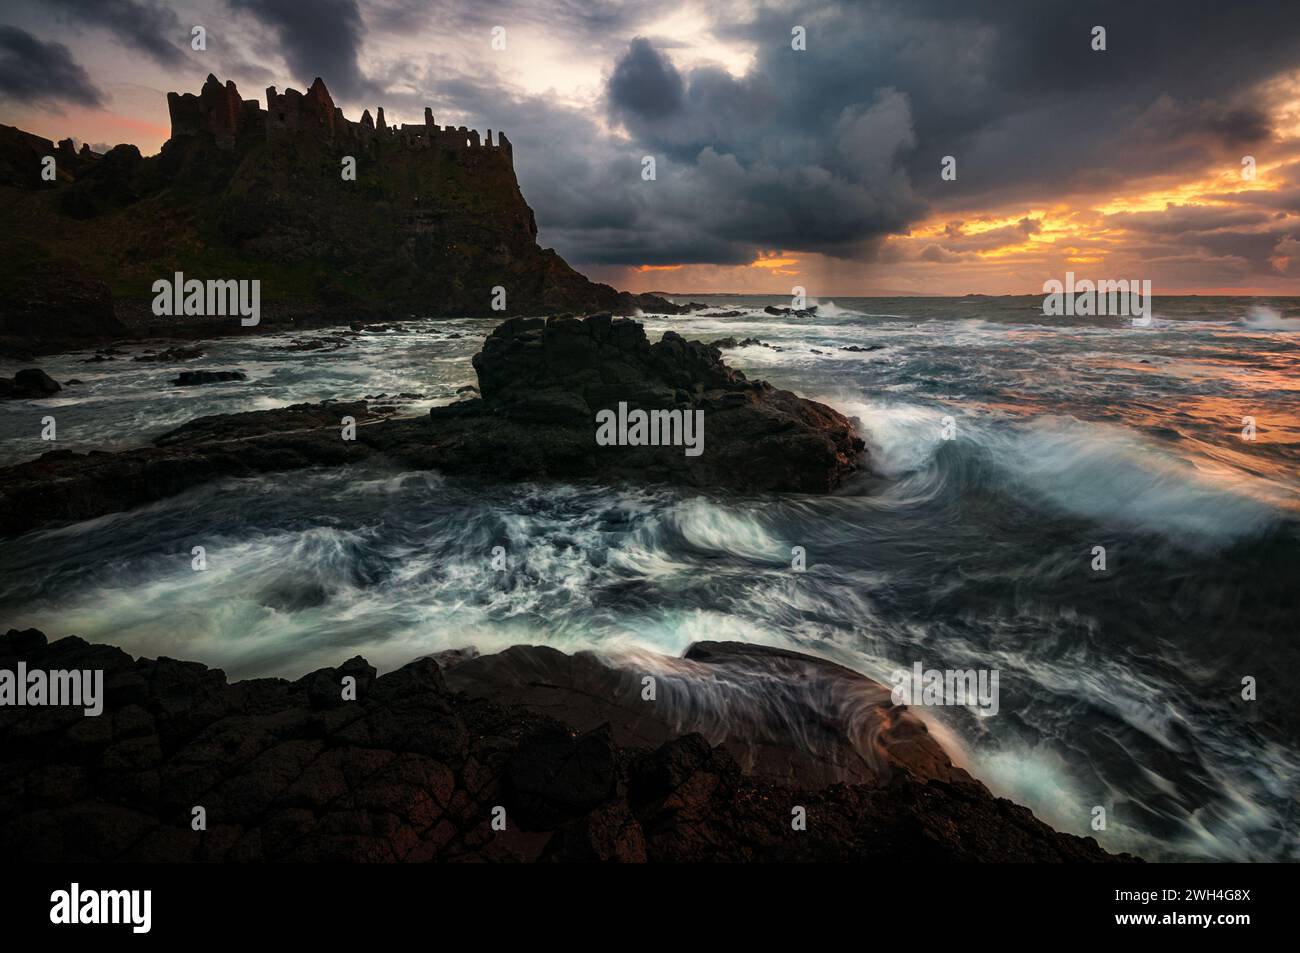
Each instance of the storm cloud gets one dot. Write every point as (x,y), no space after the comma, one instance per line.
(321,38)
(147,27)
(32,70)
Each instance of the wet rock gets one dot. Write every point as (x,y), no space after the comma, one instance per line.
(413,769)
(788,718)
(555,776)
(861,350)
(179,353)
(313,344)
(198,378)
(542,383)
(730,342)
(31,382)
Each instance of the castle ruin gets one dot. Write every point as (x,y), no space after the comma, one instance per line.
(219,110)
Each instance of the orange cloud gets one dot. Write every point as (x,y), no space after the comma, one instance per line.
(775,262)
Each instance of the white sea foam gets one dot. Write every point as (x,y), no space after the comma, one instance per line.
(1261,318)
(1103,472)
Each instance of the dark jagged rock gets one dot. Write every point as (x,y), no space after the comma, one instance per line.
(313,344)
(862,350)
(542,383)
(21,155)
(31,382)
(197,378)
(65,485)
(180,353)
(792,312)
(413,770)
(846,726)
(728,343)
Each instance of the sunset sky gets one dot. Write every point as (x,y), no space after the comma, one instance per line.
(775,167)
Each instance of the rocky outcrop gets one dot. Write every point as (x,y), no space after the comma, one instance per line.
(29,383)
(544,382)
(412,770)
(22,155)
(171,354)
(198,378)
(542,385)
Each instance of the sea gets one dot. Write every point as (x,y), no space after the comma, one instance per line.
(1105,513)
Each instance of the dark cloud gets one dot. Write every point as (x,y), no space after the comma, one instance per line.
(1248,237)
(832,148)
(1188,220)
(33,71)
(731,171)
(645,84)
(321,38)
(599,26)
(150,28)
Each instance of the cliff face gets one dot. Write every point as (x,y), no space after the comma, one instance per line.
(433,222)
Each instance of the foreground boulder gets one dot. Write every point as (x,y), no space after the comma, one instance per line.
(413,770)
(542,384)
(29,383)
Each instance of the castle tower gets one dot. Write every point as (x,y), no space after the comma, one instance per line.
(322,105)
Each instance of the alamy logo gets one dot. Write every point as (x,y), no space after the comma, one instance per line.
(79,689)
(654,428)
(965,688)
(1105,297)
(72,906)
(212,298)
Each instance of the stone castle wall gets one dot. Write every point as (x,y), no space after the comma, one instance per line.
(219,110)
